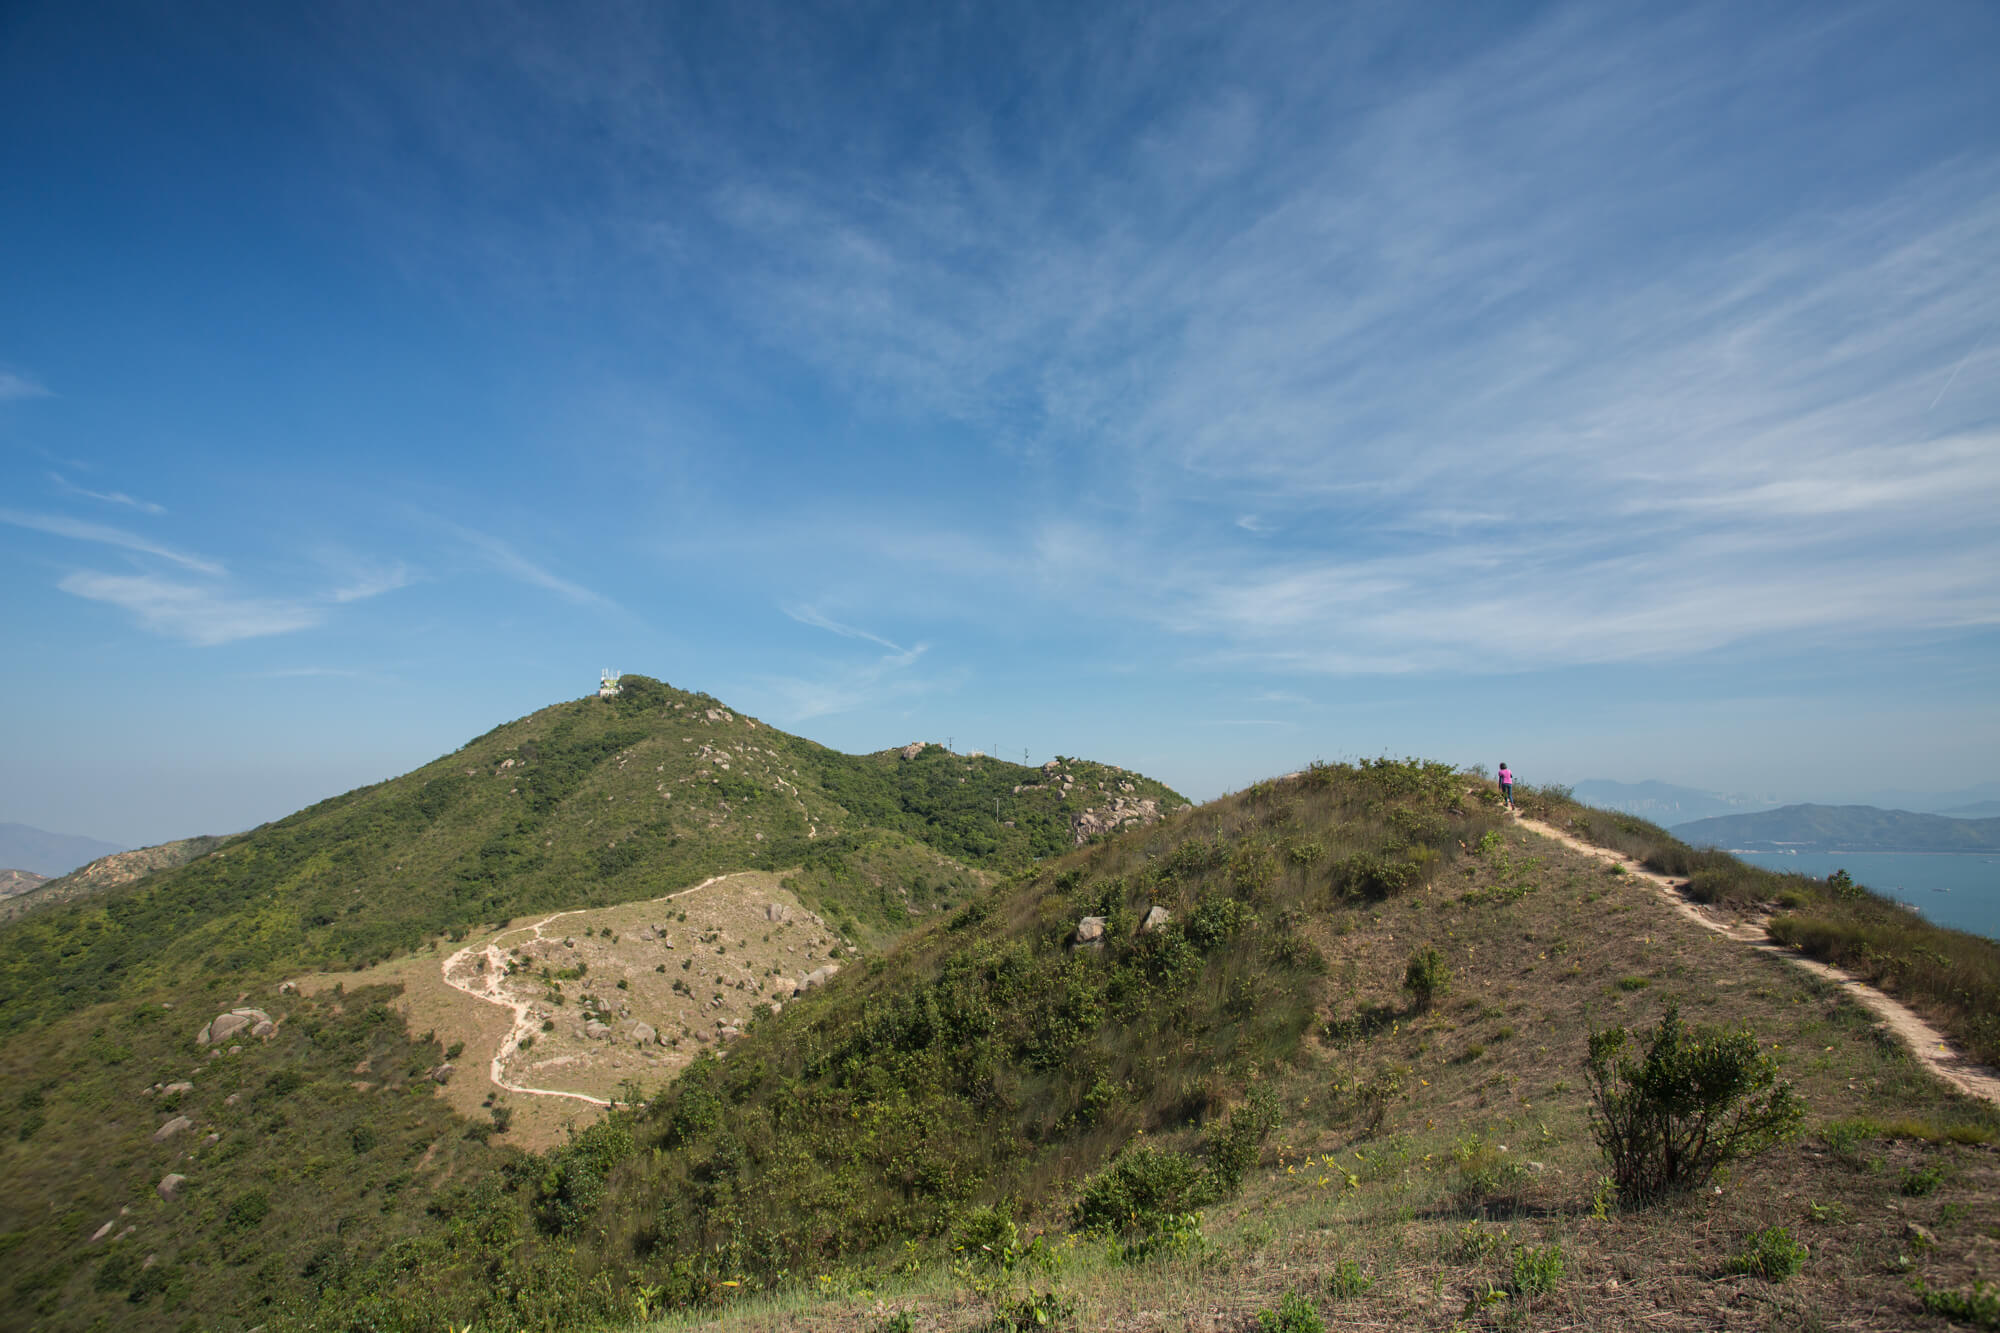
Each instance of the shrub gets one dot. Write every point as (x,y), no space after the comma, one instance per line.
(1139,1188)
(1772,1255)
(1347,1279)
(1978,1306)
(1427,976)
(1697,1099)
(1537,1269)
(1037,1309)
(1233,1144)
(1295,1314)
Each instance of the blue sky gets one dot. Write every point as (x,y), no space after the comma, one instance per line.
(1613,390)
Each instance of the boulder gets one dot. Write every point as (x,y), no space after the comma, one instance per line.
(170,1185)
(224,1026)
(645,1035)
(177,1125)
(264,1030)
(442,1073)
(1156,916)
(1090,931)
(595,1030)
(178,1087)
(784,986)
(103,1231)
(288,988)
(819,976)
(775,912)
(729,1034)
(232,1099)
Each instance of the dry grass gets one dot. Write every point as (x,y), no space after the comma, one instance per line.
(1415,1189)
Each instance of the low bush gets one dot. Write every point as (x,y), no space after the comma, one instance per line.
(1696,1099)
(1537,1269)
(1979,1305)
(1295,1314)
(1772,1255)
(1427,976)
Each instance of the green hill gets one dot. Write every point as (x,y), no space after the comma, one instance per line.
(582,804)
(1321,1042)
(1842,828)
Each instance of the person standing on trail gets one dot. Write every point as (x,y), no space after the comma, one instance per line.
(1507,783)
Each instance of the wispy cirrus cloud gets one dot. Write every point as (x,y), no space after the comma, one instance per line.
(807,615)
(69,487)
(846,687)
(80,530)
(196,613)
(373,581)
(503,558)
(15,386)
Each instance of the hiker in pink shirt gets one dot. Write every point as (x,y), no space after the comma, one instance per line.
(1507,783)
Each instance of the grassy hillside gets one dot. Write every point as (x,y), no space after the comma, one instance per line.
(108,872)
(999,1125)
(583,804)
(1950,976)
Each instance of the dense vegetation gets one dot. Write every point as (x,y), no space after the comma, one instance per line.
(582,804)
(1365,987)
(309,1157)
(992,1057)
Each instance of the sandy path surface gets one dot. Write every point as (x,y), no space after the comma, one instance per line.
(1925,1042)
(488,983)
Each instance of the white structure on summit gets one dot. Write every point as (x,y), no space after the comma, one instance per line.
(607,684)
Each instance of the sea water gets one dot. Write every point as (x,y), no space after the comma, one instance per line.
(1956,889)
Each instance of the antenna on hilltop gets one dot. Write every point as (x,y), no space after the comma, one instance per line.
(607,683)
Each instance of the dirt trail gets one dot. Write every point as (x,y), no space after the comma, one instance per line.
(1929,1045)
(488,983)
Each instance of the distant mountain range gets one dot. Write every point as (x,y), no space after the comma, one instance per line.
(1663,803)
(1670,806)
(45,853)
(1842,828)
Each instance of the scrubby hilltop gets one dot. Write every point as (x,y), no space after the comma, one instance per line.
(587,803)
(1317,1048)
(324,1135)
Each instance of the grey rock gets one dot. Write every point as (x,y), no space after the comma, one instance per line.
(819,976)
(179,1124)
(1156,916)
(224,1026)
(170,1185)
(1090,930)
(645,1035)
(775,912)
(595,1030)
(103,1231)
(442,1073)
(178,1087)
(264,1030)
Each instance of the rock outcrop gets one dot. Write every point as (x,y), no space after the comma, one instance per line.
(224,1026)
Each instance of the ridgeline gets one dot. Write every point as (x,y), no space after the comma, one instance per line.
(1315,1050)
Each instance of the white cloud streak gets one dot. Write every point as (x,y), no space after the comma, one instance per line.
(806,615)
(199,615)
(69,487)
(506,560)
(79,530)
(15,386)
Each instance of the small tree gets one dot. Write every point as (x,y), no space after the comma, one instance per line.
(1698,1098)
(1427,976)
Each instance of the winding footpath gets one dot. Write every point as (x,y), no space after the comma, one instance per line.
(1926,1043)
(488,983)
